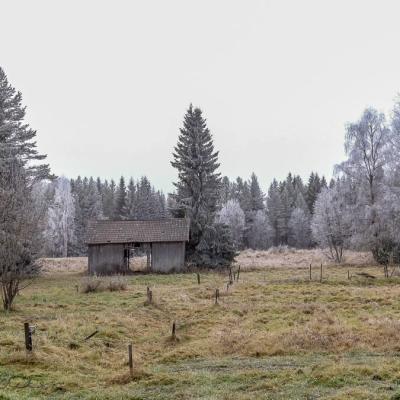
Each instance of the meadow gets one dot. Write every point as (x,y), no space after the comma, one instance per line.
(274,334)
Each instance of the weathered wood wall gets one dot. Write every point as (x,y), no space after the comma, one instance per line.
(167,256)
(106,259)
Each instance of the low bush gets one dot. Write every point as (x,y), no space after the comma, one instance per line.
(116,282)
(94,283)
(90,284)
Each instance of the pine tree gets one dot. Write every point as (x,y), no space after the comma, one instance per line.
(17,139)
(108,199)
(273,209)
(131,199)
(198,187)
(312,191)
(121,207)
(256,195)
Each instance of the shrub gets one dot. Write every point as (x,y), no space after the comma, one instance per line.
(386,252)
(116,282)
(90,284)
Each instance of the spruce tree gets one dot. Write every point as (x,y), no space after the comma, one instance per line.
(273,209)
(17,138)
(198,191)
(121,208)
(131,199)
(256,195)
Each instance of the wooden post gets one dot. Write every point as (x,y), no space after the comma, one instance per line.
(173,330)
(77,288)
(130,358)
(238,272)
(348,274)
(149,296)
(230,276)
(310,273)
(227,286)
(28,337)
(216,295)
(198,278)
(320,277)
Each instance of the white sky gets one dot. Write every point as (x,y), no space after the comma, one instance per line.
(107,82)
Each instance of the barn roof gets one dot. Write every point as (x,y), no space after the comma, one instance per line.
(162,230)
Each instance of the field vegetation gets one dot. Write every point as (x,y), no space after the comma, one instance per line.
(274,334)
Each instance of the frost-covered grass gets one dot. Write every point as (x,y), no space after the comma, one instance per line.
(273,335)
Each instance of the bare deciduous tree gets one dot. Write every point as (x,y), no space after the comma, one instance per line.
(20,225)
(330,223)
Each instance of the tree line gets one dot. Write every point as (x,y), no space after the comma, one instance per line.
(72,203)
(282,216)
(41,214)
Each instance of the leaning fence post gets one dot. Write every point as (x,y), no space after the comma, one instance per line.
(28,337)
(130,358)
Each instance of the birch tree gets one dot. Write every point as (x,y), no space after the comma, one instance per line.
(367,145)
(331,223)
(60,232)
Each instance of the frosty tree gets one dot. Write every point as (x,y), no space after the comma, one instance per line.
(233,216)
(331,222)
(299,228)
(20,216)
(198,191)
(121,207)
(368,146)
(60,231)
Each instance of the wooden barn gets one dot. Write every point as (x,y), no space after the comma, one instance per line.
(110,244)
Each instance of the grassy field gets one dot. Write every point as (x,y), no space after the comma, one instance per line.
(273,335)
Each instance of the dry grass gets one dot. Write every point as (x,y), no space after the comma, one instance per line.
(273,332)
(78,265)
(287,257)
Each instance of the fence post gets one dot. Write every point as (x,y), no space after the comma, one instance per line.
(198,278)
(216,295)
(238,273)
(320,278)
(173,330)
(28,337)
(149,296)
(130,358)
(310,273)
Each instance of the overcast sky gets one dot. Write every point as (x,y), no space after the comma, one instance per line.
(107,82)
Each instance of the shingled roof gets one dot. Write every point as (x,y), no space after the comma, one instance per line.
(162,230)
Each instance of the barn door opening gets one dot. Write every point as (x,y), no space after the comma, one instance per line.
(127,258)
